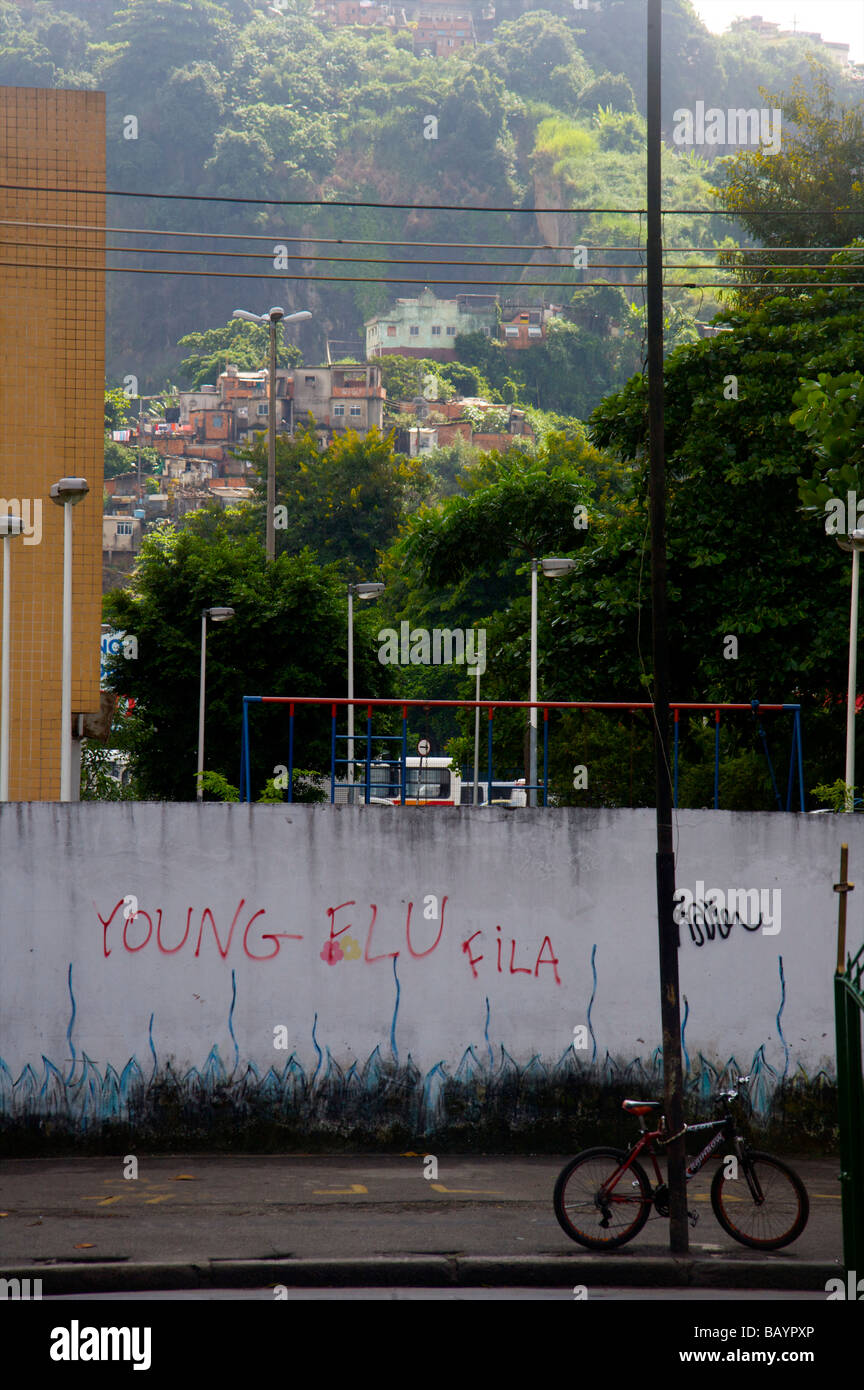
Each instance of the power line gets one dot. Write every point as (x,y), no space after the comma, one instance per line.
(394,280)
(278,239)
(438,261)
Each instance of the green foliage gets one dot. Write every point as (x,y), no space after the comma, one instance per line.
(811,192)
(244,345)
(834,795)
(831,414)
(288,636)
(346,501)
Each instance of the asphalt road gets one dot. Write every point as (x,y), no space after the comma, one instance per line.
(360,1216)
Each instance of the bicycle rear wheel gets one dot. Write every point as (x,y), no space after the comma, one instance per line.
(601,1220)
(769,1224)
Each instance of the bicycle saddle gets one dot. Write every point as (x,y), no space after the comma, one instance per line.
(640,1107)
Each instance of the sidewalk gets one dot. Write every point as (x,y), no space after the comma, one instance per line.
(220,1221)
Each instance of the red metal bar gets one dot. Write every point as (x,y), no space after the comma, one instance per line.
(510,704)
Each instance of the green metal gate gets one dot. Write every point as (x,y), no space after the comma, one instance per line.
(848,1014)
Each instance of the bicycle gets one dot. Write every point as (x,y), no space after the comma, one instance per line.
(758,1200)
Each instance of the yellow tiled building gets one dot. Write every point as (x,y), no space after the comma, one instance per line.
(52,375)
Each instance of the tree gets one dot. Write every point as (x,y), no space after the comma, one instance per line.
(288,637)
(346,501)
(831,414)
(244,345)
(459,561)
(811,191)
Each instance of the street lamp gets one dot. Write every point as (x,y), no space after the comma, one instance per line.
(67,493)
(216,615)
(855,543)
(363,591)
(274,316)
(553,567)
(9,526)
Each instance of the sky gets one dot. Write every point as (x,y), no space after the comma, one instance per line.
(838,21)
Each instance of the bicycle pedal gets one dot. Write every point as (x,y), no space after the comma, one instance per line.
(692,1217)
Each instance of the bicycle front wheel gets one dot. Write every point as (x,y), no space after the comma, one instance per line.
(593,1210)
(766,1206)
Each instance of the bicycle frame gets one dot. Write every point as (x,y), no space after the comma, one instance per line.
(725,1132)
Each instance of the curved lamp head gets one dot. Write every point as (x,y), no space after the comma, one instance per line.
(555,567)
(854,541)
(69,490)
(11,525)
(219,615)
(370,590)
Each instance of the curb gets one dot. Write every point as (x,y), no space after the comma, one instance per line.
(434,1271)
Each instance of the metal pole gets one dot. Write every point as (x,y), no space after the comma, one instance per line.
(4,687)
(670,1011)
(532,718)
(140,439)
(850,690)
(271,451)
(66,675)
(350,693)
(200,792)
(476,798)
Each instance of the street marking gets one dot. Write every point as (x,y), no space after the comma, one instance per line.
(468,1191)
(339,1191)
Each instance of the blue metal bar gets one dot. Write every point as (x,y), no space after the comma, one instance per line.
(290,752)
(545,757)
(489,759)
(677,717)
(791,772)
(368,752)
(243,752)
(246,752)
(404,754)
(800,755)
(716,759)
(754,705)
(332,754)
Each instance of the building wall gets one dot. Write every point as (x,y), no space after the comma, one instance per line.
(52,377)
(373,934)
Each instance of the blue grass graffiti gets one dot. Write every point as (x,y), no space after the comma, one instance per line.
(366,1097)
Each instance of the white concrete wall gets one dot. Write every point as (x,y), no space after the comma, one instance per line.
(566,896)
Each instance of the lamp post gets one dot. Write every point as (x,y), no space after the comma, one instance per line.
(554,567)
(9,526)
(216,615)
(855,543)
(67,493)
(363,591)
(275,315)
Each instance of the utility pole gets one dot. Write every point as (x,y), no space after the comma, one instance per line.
(670,1009)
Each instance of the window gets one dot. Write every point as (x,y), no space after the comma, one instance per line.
(338,410)
(309,380)
(356,410)
(451,330)
(436,330)
(511,332)
(391,330)
(414,330)
(217,422)
(535,332)
(124,528)
(263,410)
